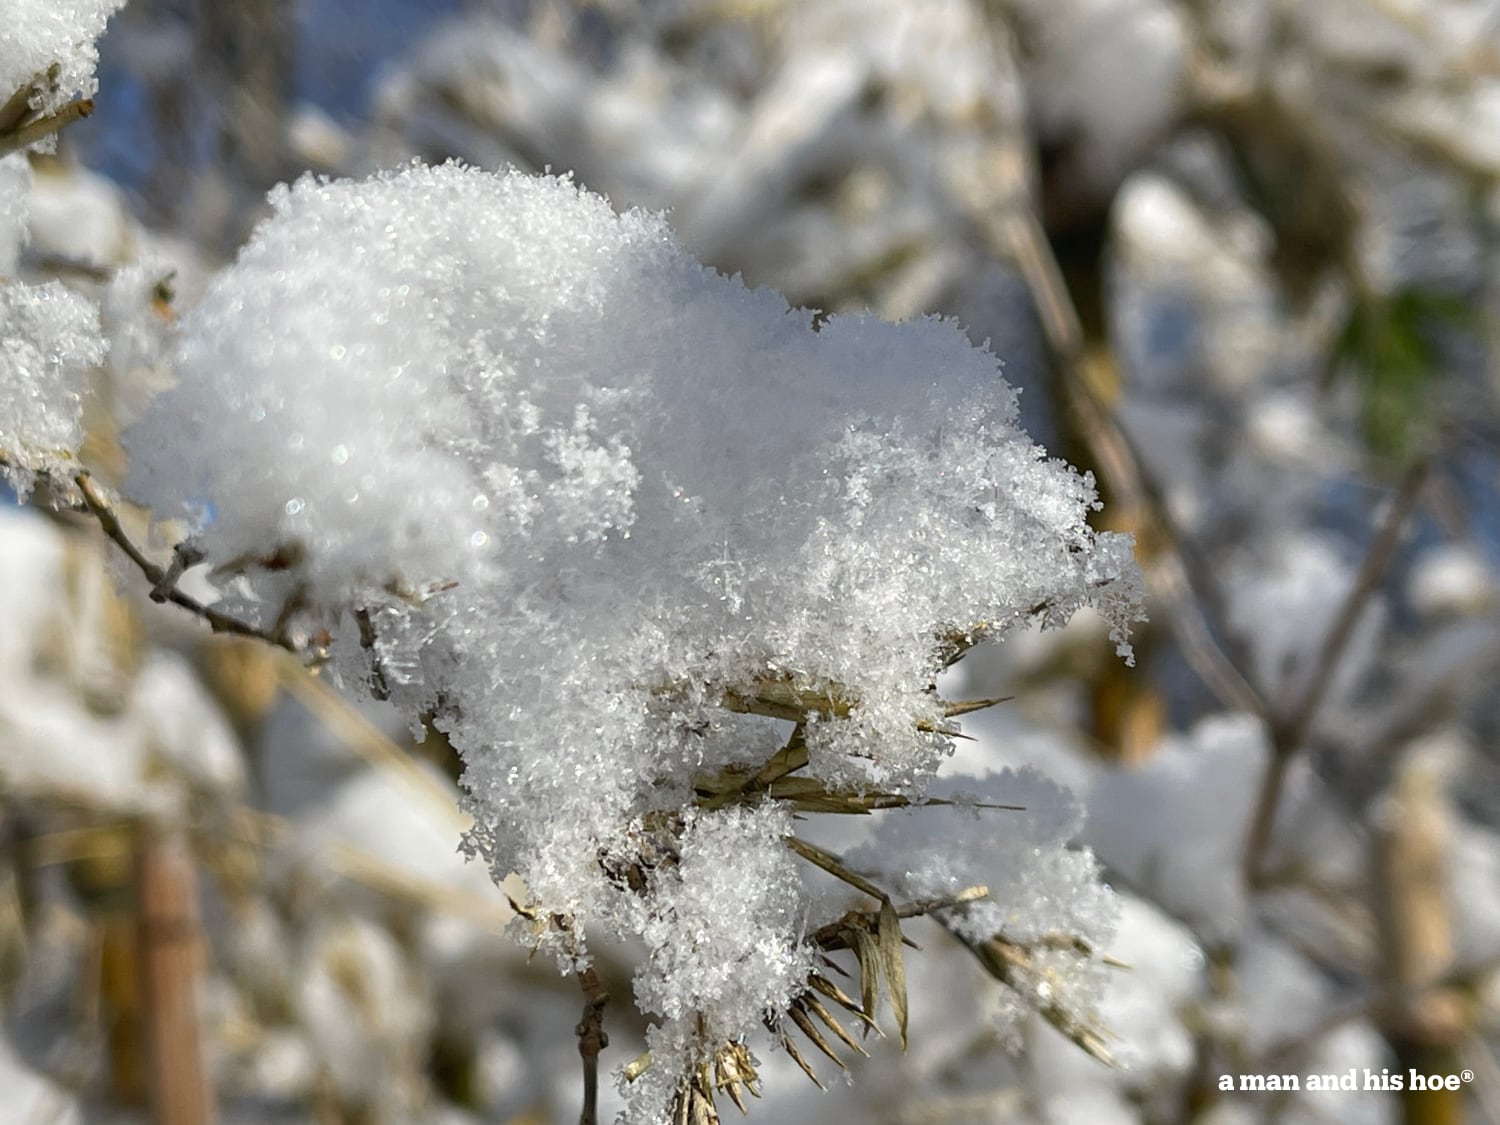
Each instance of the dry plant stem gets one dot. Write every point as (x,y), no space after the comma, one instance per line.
(16,107)
(171,953)
(33,131)
(591,1040)
(1289,733)
(835,867)
(379,688)
(1026,242)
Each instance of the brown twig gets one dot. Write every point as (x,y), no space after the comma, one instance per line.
(592,1038)
(163,588)
(1371,571)
(17,107)
(163,580)
(1289,733)
(379,685)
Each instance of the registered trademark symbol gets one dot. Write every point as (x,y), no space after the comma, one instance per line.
(1467,1075)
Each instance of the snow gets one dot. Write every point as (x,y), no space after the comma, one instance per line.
(1199,787)
(1038,886)
(36,34)
(80,218)
(49,338)
(583,487)
(30,1096)
(1451,580)
(86,715)
(589,494)
(1285,601)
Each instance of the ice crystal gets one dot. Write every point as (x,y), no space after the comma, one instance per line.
(37,35)
(49,338)
(581,497)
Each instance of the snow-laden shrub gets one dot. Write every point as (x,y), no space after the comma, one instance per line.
(606,516)
(667,560)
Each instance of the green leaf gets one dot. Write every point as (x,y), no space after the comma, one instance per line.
(1393,348)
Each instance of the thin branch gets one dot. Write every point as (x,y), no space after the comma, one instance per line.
(1263,819)
(184,556)
(1366,582)
(1289,734)
(17,107)
(218,621)
(592,1038)
(379,685)
(918,907)
(1019,232)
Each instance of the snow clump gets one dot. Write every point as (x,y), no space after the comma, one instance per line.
(37,35)
(604,515)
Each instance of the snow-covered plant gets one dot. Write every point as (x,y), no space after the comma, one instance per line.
(668,561)
(48,336)
(47,59)
(672,564)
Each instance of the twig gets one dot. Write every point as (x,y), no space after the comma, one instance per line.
(219,622)
(379,687)
(17,107)
(1289,733)
(184,555)
(1371,571)
(592,1038)
(43,127)
(918,907)
(163,579)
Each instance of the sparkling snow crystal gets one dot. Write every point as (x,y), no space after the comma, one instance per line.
(1039,888)
(49,337)
(38,34)
(552,481)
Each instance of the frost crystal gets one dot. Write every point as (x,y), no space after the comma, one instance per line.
(38,34)
(49,338)
(1039,888)
(1037,885)
(584,497)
